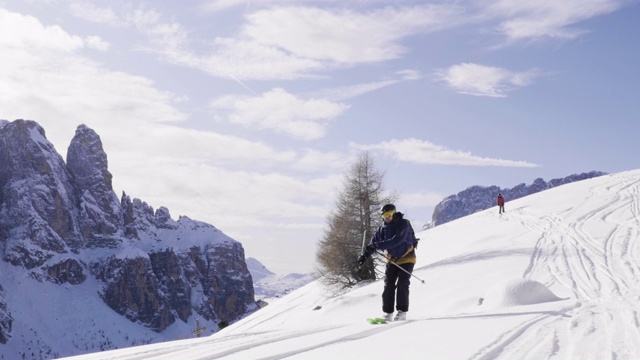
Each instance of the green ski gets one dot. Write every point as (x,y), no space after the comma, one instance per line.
(377,321)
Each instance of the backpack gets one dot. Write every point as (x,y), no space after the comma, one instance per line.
(413,233)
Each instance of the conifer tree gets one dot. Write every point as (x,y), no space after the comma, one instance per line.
(352,222)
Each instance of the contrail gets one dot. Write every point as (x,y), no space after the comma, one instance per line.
(241,83)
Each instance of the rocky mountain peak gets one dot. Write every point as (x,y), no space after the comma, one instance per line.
(87,160)
(61,224)
(100,213)
(36,193)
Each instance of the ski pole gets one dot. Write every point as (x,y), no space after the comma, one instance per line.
(399,267)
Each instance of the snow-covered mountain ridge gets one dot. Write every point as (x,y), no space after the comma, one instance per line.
(113,272)
(268,286)
(477,198)
(556,277)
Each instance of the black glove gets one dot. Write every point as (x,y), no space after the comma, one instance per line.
(368,250)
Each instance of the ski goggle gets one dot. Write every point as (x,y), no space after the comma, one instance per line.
(388,214)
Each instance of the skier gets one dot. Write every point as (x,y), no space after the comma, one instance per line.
(397,237)
(500,202)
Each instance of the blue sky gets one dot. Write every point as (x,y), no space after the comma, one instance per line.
(246,114)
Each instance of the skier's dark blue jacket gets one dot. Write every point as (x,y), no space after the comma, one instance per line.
(397,238)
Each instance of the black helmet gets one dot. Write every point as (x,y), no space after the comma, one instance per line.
(387,207)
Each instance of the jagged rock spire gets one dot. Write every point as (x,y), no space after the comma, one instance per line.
(100,212)
(37,197)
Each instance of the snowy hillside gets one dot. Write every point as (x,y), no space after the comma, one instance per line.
(556,277)
(269,286)
(273,287)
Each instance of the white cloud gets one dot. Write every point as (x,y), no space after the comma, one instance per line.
(167,38)
(410,74)
(423,152)
(480,80)
(235,57)
(300,41)
(170,37)
(219,5)
(351,91)
(548,18)
(281,112)
(248,59)
(26,33)
(70,87)
(259,195)
(92,13)
(96,42)
(292,42)
(343,36)
(189,146)
(285,42)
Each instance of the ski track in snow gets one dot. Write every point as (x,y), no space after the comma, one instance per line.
(569,253)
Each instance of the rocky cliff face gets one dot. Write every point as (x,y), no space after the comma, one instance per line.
(478,198)
(62,223)
(36,198)
(5,319)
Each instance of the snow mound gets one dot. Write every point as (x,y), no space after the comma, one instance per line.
(518,292)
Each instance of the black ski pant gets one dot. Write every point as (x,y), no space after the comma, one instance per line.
(396,279)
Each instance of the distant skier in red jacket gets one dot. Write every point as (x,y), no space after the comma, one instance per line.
(500,202)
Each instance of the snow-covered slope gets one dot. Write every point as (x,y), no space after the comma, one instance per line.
(272,287)
(557,277)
